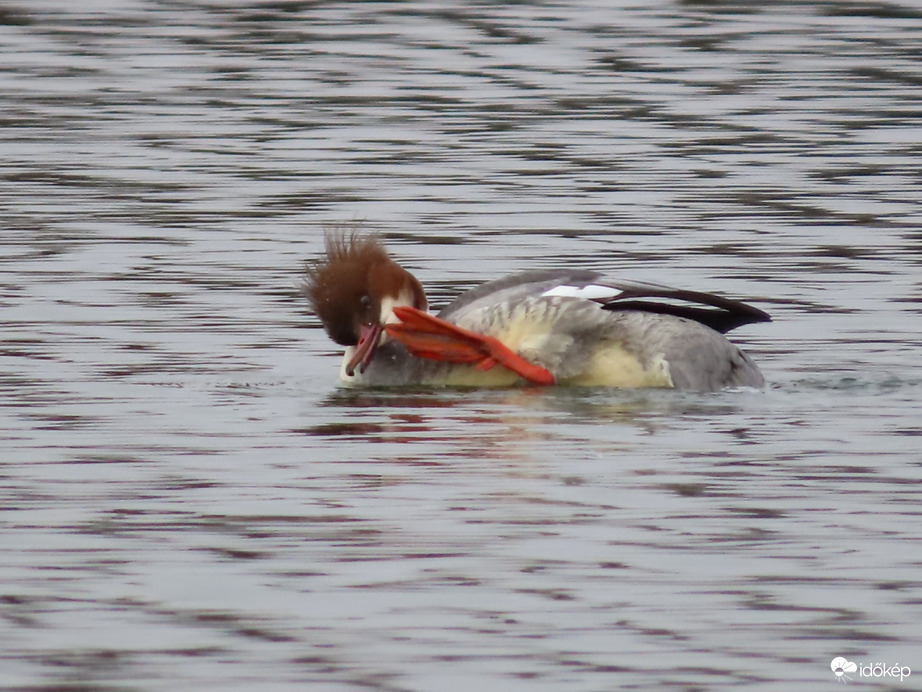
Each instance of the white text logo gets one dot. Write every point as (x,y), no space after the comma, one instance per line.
(841,667)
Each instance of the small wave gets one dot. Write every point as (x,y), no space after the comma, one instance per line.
(851,383)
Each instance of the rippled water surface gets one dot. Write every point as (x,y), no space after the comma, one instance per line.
(188,501)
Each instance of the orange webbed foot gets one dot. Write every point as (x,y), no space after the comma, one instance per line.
(427,336)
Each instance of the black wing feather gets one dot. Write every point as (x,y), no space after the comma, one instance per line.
(723,314)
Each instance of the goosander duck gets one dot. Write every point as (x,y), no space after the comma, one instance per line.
(563,327)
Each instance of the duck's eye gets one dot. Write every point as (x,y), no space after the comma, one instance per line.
(365,300)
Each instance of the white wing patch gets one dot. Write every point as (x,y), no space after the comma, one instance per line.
(590,292)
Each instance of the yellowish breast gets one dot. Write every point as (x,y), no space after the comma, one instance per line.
(533,330)
(612,366)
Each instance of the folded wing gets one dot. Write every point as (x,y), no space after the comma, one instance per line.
(718,313)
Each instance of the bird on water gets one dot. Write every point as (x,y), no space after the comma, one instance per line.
(567,327)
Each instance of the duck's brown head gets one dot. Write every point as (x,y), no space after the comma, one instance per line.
(354,290)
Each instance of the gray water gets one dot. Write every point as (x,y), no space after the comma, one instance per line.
(188,501)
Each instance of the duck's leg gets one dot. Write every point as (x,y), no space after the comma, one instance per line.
(427,336)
